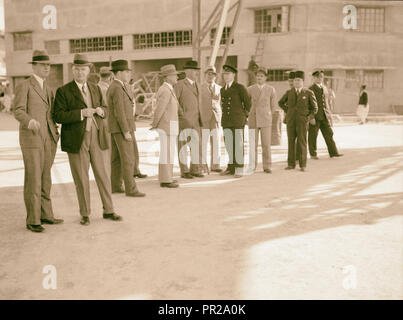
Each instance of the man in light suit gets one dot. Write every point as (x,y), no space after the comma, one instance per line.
(300,106)
(122,126)
(165,121)
(263,98)
(105,82)
(187,92)
(210,111)
(38,133)
(79,108)
(322,120)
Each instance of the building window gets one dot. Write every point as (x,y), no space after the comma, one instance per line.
(52,46)
(22,41)
(370,19)
(277,75)
(96,44)
(269,20)
(162,39)
(225,35)
(373,79)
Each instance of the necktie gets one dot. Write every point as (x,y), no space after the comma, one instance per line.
(45,91)
(87,100)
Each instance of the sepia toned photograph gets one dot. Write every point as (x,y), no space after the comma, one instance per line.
(191,150)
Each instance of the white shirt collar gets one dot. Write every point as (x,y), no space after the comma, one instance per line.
(261,86)
(191,81)
(39,79)
(229,85)
(169,85)
(81,85)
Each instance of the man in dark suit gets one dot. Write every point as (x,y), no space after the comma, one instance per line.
(235,104)
(300,106)
(322,120)
(79,108)
(190,123)
(122,126)
(38,133)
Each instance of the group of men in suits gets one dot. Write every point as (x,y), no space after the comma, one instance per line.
(98,129)
(86,136)
(307,111)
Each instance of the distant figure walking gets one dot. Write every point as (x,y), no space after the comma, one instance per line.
(363,106)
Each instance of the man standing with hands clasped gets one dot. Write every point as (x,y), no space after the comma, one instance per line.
(79,108)
(301,107)
(32,107)
(122,126)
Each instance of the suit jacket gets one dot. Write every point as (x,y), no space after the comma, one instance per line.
(120,106)
(31,102)
(189,111)
(166,111)
(363,98)
(322,98)
(295,105)
(235,102)
(67,111)
(210,105)
(263,106)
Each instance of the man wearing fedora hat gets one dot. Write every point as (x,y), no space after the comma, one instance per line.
(79,108)
(38,136)
(187,92)
(323,118)
(235,102)
(210,112)
(263,98)
(300,106)
(165,121)
(121,126)
(105,81)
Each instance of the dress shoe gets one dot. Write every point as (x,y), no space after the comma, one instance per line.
(198,175)
(289,168)
(169,185)
(120,190)
(217,170)
(267,170)
(137,194)
(186,175)
(140,175)
(85,221)
(54,221)
(303,169)
(112,216)
(35,228)
(227,173)
(337,155)
(315,157)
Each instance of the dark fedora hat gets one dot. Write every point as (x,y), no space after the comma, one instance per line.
(299,74)
(40,56)
(291,75)
(120,65)
(228,68)
(191,65)
(81,60)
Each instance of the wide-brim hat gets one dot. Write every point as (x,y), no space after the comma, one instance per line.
(81,60)
(191,65)
(168,70)
(40,56)
(299,74)
(229,68)
(211,69)
(120,65)
(291,75)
